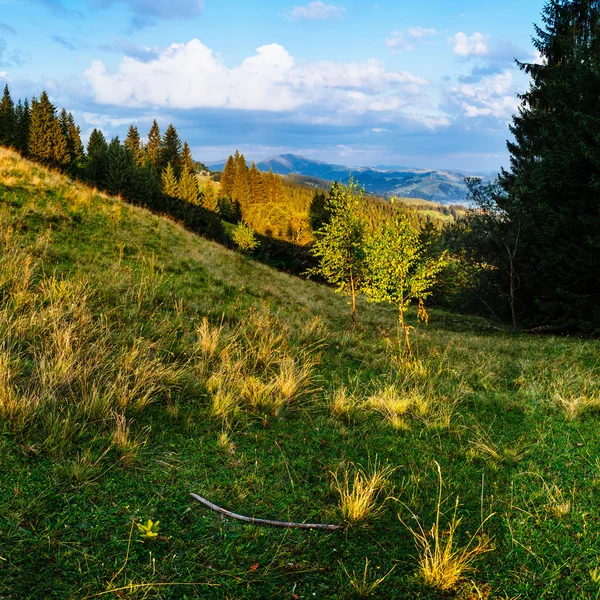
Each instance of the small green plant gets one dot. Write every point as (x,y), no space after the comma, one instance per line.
(148,530)
(362,583)
(244,238)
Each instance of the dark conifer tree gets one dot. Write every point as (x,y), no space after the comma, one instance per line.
(550,195)
(96,150)
(153,145)
(170,150)
(119,168)
(7,119)
(74,138)
(47,143)
(21,136)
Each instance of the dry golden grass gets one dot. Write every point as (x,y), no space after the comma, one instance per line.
(360,490)
(442,562)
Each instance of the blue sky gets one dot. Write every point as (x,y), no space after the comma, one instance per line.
(381,82)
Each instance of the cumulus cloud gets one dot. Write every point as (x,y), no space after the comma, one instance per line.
(315,10)
(405,40)
(474,45)
(493,96)
(187,76)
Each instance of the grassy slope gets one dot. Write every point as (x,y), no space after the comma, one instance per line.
(115,294)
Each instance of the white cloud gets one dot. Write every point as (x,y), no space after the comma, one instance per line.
(405,40)
(421,32)
(475,45)
(493,96)
(315,10)
(187,76)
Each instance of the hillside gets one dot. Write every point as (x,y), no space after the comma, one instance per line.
(140,362)
(445,187)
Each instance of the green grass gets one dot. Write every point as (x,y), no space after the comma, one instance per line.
(122,335)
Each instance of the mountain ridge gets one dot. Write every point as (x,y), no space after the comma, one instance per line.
(445,186)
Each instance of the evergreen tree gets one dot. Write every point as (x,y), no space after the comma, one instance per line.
(317,211)
(170,150)
(257,188)
(7,119)
(241,187)
(74,138)
(187,161)
(47,143)
(209,197)
(97,149)
(228,178)
(22,115)
(550,194)
(153,145)
(72,135)
(169,183)
(188,187)
(133,142)
(119,168)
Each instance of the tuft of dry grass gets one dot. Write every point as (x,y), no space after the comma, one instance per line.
(483,447)
(360,490)
(345,405)
(396,407)
(442,562)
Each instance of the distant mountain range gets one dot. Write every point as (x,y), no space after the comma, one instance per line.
(445,187)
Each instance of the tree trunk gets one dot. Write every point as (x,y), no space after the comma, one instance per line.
(406,332)
(353,295)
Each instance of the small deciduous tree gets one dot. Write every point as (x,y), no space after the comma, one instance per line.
(399,270)
(340,243)
(244,238)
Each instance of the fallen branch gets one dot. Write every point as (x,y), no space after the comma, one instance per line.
(264,521)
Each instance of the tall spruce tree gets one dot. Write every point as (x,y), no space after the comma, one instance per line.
(21,137)
(133,142)
(187,162)
(74,138)
(170,150)
(96,151)
(169,183)
(187,188)
(7,119)
(47,143)
(241,187)
(119,168)
(228,178)
(552,188)
(257,188)
(153,145)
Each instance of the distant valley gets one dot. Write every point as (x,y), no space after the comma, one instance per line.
(445,187)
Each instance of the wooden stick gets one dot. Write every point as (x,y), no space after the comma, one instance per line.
(264,521)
